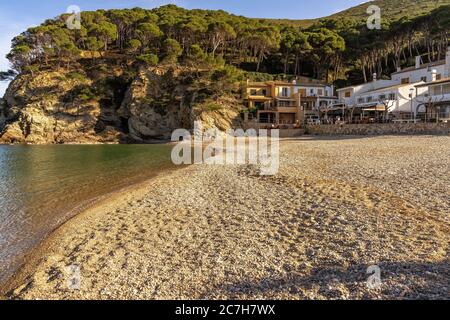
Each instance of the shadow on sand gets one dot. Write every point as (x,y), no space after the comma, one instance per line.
(398,281)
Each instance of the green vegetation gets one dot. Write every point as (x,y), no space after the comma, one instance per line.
(337,49)
(76,76)
(393,10)
(148,59)
(210,107)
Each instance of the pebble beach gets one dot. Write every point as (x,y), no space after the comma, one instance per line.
(336,207)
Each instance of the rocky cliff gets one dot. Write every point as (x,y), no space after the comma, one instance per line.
(57,106)
(61,106)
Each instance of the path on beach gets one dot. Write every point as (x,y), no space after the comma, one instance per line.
(336,207)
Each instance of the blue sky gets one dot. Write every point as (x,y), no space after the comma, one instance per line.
(17,15)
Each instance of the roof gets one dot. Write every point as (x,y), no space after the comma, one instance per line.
(298,84)
(311,83)
(346,88)
(387,88)
(257,84)
(259,98)
(362,84)
(423,66)
(445,80)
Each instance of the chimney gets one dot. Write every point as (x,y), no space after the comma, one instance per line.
(374,77)
(418,62)
(399,69)
(433,75)
(294,82)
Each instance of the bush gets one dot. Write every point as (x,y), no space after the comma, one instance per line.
(209,107)
(259,76)
(172,50)
(82,93)
(148,59)
(229,74)
(196,54)
(75,76)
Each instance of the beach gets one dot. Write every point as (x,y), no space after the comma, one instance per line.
(336,207)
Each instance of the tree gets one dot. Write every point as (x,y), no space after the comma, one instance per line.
(332,49)
(388,105)
(262,41)
(191,31)
(300,48)
(287,44)
(64,46)
(327,45)
(148,59)
(94,45)
(134,45)
(20,57)
(219,33)
(106,32)
(196,54)
(69,51)
(146,32)
(171,50)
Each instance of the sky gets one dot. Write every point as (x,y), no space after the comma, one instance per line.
(18,15)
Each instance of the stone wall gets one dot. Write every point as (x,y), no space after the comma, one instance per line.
(291,133)
(381,129)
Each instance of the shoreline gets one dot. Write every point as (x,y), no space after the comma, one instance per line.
(224,232)
(92,206)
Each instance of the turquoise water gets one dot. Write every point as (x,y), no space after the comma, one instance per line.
(41,187)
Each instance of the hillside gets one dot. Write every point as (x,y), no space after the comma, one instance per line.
(391,10)
(135,74)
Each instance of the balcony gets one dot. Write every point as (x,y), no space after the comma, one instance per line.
(440,98)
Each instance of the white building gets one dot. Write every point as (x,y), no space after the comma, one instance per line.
(349,95)
(421,72)
(434,105)
(397,100)
(396,94)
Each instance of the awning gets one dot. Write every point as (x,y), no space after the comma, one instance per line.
(377,107)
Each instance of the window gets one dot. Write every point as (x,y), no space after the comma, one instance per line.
(446,89)
(382,97)
(302,92)
(284,92)
(437,90)
(283,103)
(264,92)
(259,105)
(253,92)
(348,94)
(320,92)
(311,91)
(392,96)
(438,76)
(424,79)
(405,80)
(369,99)
(360,100)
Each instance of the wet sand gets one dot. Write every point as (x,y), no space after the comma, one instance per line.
(336,207)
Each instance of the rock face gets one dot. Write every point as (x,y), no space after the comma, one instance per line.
(56,107)
(47,108)
(161,100)
(154,105)
(2,116)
